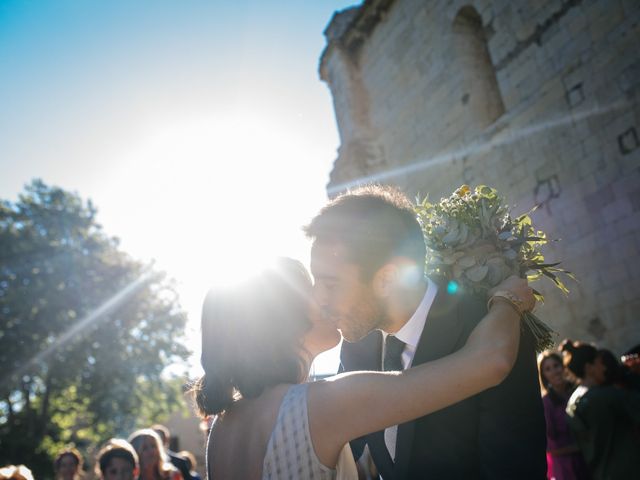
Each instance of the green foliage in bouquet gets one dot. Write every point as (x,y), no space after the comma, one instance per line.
(473,241)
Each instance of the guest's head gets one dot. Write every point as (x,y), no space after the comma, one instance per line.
(163,432)
(583,360)
(614,371)
(551,371)
(15,472)
(367,247)
(259,333)
(68,464)
(151,453)
(190,458)
(117,460)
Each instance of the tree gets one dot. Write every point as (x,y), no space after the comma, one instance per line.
(85,331)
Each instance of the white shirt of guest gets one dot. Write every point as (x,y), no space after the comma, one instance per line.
(410,334)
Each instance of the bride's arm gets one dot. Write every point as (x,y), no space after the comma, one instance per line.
(353,404)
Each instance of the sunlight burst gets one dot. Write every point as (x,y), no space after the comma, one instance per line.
(220,200)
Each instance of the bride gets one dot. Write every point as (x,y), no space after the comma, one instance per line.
(259,339)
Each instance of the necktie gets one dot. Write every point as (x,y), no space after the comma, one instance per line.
(393,349)
(392,361)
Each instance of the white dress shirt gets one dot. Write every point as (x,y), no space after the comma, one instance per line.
(410,334)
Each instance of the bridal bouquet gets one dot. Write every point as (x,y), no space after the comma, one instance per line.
(474,244)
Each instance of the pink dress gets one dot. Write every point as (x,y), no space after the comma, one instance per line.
(561,467)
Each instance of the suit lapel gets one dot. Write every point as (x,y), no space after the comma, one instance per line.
(440,331)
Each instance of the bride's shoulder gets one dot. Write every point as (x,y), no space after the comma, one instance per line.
(252,418)
(323,394)
(250,411)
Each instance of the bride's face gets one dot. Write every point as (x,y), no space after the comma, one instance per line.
(324,333)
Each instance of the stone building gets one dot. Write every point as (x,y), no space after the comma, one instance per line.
(538,98)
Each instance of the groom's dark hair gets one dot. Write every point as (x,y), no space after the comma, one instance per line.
(375,223)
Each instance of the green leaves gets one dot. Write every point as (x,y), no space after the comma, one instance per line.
(56,267)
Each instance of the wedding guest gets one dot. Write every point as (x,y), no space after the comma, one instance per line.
(259,338)
(15,472)
(154,463)
(176,459)
(564,460)
(191,463)
(614,373)
(618,374)
(117,460)
(603,418)
(68,465)
(631,359)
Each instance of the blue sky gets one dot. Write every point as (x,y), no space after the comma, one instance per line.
(80,78)
(177,118)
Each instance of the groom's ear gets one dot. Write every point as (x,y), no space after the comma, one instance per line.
(385,280)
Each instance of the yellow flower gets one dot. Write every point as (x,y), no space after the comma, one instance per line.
(463,190)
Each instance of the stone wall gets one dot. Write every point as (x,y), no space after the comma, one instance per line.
(540,99)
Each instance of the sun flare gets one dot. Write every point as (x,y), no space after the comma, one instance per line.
(220,201)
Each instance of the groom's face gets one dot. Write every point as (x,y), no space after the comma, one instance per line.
(345,299)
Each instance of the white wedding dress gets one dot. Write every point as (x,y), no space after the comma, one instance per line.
(290,453)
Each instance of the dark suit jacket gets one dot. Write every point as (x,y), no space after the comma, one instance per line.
(181,464)
(498,434)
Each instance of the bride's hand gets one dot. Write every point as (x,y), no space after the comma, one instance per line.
(518,287)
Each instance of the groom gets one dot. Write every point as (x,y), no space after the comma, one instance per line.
(367,261)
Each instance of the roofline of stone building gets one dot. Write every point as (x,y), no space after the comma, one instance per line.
(349,28)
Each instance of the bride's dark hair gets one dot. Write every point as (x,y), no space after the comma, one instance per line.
(252,336)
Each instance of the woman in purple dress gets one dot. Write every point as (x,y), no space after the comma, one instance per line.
(564,461)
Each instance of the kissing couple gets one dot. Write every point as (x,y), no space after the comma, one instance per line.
(436,385)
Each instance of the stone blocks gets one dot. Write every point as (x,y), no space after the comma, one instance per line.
(568,72)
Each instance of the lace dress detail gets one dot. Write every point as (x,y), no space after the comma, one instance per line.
(290,454)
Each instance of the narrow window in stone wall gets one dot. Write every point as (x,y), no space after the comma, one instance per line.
(480,94)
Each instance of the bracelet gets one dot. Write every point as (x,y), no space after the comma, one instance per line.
(508,297)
